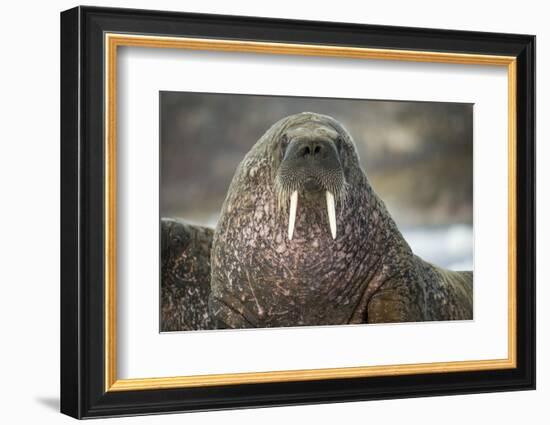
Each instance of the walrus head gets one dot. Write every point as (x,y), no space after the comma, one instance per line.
(308,162)
(300,231)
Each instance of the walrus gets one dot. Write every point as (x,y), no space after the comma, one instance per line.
(185,276)
(304,240)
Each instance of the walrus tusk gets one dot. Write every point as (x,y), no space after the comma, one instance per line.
(292,214)
(331,209)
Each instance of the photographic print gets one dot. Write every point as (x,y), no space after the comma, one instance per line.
(292,211)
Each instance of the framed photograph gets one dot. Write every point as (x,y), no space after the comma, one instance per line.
(261,212)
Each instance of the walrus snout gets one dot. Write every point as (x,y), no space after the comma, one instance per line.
(310,163)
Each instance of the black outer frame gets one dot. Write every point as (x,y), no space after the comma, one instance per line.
(82,216)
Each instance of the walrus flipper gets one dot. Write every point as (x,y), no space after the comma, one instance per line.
(424,293)
(185,276)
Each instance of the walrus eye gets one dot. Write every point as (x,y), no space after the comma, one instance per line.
(283,145)
(340,148)
(339,143)
(284,141)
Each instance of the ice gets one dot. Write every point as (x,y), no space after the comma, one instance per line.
(451,247)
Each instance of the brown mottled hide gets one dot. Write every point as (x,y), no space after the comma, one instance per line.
(368,273)
(185,276)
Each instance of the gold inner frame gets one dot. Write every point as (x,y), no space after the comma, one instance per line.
(113,41)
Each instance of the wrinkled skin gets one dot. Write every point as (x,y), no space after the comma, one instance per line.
(367,274)
(185,276)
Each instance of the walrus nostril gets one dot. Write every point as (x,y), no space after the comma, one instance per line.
(309,149)
(305,151)
(312,150)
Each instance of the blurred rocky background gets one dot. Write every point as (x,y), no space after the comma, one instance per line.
(417,155)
